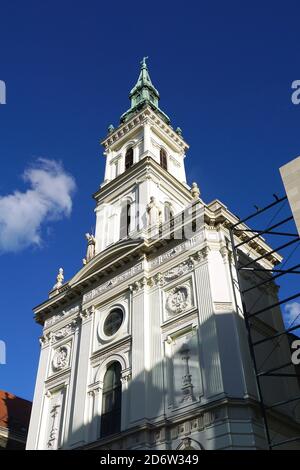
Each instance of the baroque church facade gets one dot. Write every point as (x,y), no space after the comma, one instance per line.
(145,347)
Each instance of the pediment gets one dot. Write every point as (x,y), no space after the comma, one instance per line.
(118,252)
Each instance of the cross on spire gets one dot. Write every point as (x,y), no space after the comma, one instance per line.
(143,61)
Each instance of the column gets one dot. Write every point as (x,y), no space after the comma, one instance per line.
(37,410)
(140,332)
(77,434)
(207,327)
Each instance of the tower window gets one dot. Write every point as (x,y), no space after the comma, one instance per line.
(129,158)
(111,401)
(163,159)
(168,215)
(125,221)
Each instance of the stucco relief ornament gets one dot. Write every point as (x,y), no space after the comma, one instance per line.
(187,386)
(178,299)
(60,359)
(54,413)
(65,331)
(178,271)
(59,279)
(91,248)
(154,212)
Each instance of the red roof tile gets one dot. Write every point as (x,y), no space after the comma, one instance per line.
(14,412)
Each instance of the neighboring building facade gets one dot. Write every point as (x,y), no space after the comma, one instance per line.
(290,174)
(14,421)
(145,348)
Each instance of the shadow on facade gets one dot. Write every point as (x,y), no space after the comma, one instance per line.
(176,404)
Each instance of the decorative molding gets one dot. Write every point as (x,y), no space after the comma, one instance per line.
(139,285)
(223,307)
(65,313)
(63,332)
(225,253)
(196,424)
(185,319)
(201,255)
(45,339)
(95,390)
(101,355)
(61,358)
(87,313)
(126,376)
(180,298)
(187,385)
(181,248)
(178,271)
(53,435)
(112,283)
(145,117)
(121,346)
(161,280)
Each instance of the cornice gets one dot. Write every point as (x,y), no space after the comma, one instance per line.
(145,114)
(130,177)
(216,214)
(101,266)
(129,251)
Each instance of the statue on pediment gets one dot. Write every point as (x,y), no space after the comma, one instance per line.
(59,279)
(91,248)
(195,191)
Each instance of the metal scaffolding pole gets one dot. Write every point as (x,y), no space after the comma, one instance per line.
(240,236)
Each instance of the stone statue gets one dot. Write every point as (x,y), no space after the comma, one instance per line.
(178,131)
(59,278)
(195,191)
(154,212)
(91,248)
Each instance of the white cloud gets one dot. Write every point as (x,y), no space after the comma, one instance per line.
(48,198)
(292,313)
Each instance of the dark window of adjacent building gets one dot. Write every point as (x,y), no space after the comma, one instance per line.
(163,159)
(111,401)
(113,322)
(129,158)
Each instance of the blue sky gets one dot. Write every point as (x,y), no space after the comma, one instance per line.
(224,72)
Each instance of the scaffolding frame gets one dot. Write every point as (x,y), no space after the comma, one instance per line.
(274,273)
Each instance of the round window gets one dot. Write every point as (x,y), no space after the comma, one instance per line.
(113,322)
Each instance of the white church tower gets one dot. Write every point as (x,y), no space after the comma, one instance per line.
(144,347)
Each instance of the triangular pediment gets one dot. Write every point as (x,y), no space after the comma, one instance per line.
(119,252)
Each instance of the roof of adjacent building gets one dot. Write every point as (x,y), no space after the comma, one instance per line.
(14,412)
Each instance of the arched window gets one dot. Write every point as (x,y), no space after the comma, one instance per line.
(111,400)
(129,158)
(163,159)
(125,219)
(168,212)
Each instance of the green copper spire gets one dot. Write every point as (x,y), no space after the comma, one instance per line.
(143,93)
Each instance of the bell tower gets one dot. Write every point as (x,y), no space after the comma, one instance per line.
(144,163)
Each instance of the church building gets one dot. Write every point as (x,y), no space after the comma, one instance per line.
(145,347)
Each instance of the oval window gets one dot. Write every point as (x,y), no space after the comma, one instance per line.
(113,322)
